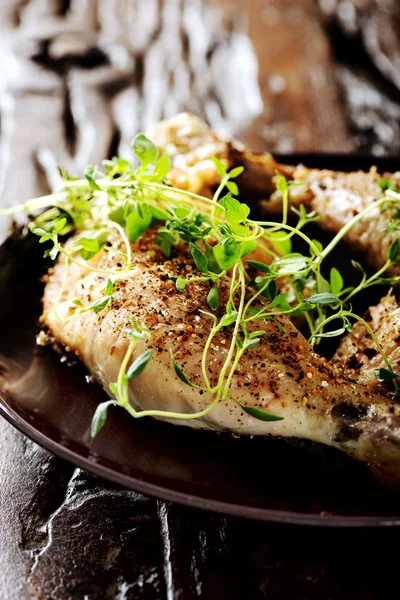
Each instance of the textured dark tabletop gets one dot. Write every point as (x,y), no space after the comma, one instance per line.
(77,79)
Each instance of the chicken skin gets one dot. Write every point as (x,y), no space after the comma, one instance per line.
(335,197)
(281,375)
(358,357)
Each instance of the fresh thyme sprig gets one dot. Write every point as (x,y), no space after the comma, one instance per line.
(220,235)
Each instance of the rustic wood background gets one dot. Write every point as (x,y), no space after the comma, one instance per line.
(77,79)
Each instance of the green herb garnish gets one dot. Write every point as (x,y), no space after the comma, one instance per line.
(219,234)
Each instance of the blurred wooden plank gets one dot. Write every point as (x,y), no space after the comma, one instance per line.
(9,13)
(186,57)
(376,24)
(374,113)
(302,109)
(33,121)
(365,38)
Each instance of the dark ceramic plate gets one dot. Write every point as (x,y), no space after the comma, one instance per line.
(51,402)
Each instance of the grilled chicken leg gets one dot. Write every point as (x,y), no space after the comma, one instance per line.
(357,356)
(336,197)
(281,374)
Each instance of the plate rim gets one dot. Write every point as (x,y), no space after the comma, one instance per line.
(279,517)
(168,494)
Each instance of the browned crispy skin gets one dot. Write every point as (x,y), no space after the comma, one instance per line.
(191,143)
(358,356)
(335,196)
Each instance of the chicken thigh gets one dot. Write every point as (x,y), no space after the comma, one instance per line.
(336,197)
(282,374)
